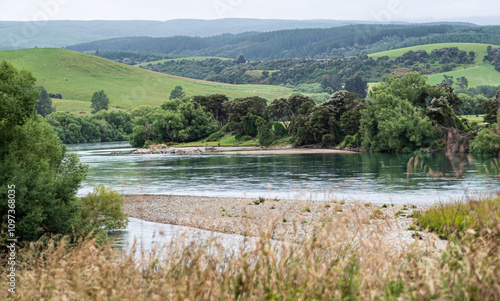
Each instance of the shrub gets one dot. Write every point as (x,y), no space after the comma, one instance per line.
(103,208)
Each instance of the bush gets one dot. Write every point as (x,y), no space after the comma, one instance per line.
(215,136)
(279,129)
(486,142)
(103,208)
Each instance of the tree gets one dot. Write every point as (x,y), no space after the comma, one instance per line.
(357,85)
(491,108)
(448,80)
(103,207)
(177,93)
(34,160)
(392,124)
(213,104)
(331,83)
(238,110)
(241,60)
(44,105)
(100,101)
(463,83)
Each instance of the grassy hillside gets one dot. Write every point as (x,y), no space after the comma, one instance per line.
(479,73)
(479,49)
(77,75)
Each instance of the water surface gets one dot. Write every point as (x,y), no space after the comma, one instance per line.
(379,178)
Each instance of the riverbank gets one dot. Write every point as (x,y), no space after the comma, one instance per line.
(282,219)
(242,150)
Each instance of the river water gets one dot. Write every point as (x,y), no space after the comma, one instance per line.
(378,178)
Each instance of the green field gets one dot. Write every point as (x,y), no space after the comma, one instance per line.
(473,118)
(479,73)
(77,75)
(191,58)
(476,75)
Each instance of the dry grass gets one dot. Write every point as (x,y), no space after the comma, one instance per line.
(341,259)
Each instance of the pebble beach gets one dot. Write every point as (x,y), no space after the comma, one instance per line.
(288,220)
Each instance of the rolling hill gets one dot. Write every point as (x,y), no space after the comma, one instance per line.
(77,75)
(479,73)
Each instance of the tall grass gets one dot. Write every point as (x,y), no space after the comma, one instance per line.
(342,259)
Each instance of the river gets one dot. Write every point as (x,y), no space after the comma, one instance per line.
(377,178)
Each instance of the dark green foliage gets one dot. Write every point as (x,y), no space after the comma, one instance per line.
(319,123)
(17,99)
(357,85)
(104,126)
(437,102)
(487,91)
(472,105)
(491,108)
(279,129)
(440,111)
(35,162)
(487,141)
(215,136)
(392,124)
(318,42)
(493,57)
(243,111)
(177,93)
(178,120)
(266,134)
(100,101)
(250,124)
(213,104)
(463,82)
(44,105)
(241,60)
(138,136)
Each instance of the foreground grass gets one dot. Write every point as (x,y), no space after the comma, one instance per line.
(457,217)
(334,263)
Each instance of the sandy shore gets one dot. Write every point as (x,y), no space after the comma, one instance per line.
(282,219)
(242,150)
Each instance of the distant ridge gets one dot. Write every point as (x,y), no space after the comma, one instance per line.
(16,34)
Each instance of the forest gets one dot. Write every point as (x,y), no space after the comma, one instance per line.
(320,43)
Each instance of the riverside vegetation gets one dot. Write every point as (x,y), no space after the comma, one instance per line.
(402,114)
(333,262)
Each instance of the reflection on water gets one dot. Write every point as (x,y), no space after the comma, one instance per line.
(371,177)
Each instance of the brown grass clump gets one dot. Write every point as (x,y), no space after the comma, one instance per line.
(342,259)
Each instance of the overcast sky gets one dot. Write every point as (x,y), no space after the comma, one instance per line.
(373,10)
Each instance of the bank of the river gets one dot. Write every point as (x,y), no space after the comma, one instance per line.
(283,219)
(242,150)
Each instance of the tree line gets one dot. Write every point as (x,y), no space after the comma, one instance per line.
(312,43)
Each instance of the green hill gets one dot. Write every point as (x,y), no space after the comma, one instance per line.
(479,73)
(77,75)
